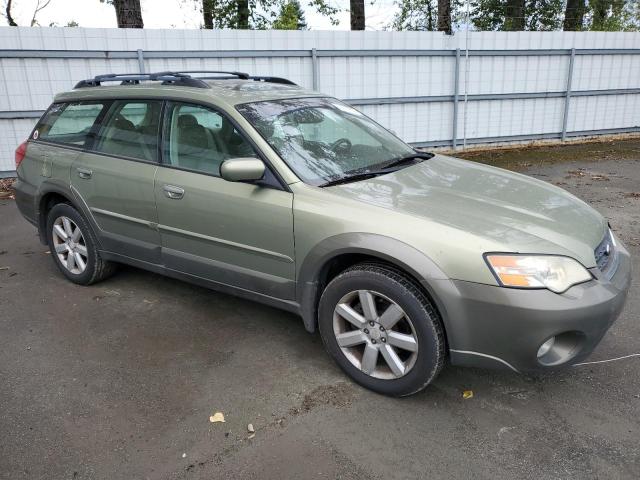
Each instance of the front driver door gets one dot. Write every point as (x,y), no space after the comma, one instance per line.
(232,233)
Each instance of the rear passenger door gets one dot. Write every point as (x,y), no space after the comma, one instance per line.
(114,176)
(233,233)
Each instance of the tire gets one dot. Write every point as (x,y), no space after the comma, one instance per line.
(417,338)
(59,219)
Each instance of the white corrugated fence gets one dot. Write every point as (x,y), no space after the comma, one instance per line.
(430,88)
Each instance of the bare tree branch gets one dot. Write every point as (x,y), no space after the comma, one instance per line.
(12,22)
(39,7)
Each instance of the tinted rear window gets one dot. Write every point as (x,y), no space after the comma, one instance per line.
(69,123)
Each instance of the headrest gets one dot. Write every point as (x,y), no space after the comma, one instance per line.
(187,120)
(121,123)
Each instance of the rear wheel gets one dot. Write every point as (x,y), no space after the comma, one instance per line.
(73,246)
(382,330)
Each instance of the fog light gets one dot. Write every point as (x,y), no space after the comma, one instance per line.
(545,347)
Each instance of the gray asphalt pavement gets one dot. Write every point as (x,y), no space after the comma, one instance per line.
(118,380)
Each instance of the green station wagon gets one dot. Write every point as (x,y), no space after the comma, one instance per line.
(403,260)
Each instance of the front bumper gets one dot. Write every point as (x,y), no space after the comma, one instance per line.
(496,327)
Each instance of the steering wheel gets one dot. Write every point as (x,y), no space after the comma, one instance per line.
(342,145)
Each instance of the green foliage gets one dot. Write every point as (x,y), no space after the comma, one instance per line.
(416,15)
(262,14)
(613,15)
(488,15)
(291,17)
(546,15)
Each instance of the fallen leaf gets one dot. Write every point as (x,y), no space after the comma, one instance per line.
(4,268)
(467,394)
(217,417)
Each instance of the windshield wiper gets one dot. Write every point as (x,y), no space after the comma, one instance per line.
(355,177)
(387,168)
(396,162)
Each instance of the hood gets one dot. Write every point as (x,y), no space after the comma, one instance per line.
(517,212)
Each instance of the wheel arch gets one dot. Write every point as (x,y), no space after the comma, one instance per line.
(50,195)
(335,254)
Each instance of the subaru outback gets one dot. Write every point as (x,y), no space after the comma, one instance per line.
(403,260)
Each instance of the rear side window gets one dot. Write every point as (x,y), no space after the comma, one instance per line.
(68,123)
(130,129)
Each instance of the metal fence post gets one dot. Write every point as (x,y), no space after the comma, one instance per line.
(456,91)
(567,98)
(314,67)
(140,60)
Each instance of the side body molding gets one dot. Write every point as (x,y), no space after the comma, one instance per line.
(395,252)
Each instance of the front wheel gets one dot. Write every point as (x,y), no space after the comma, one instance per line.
(381,330)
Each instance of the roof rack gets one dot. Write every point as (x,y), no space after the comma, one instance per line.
(240,75)
(284,81)
(167,78)
(176,78)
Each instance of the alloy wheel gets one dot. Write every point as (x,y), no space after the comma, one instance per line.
(375,334)
(69,245)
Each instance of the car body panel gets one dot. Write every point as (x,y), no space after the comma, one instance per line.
(237,233)
(120,197)
(478,208)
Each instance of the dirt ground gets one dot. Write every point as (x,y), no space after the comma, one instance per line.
(118,380)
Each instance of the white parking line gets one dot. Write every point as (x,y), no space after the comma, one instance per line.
(609,360)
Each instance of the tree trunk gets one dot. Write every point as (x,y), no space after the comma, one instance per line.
(357,14)
(207,13)
(128,13)
(573,15)
(12,22)
(243,14)
(514,20)
(444,16)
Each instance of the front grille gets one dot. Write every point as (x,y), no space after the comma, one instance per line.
(605,253)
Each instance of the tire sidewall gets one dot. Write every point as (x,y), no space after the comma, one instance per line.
(66,210)
(423,319)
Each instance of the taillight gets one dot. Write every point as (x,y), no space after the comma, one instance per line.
(21,151)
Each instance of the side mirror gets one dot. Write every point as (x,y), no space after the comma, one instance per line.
(242,169)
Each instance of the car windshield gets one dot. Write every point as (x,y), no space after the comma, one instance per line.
(322,139)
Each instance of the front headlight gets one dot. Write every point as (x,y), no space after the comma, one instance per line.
(537,271)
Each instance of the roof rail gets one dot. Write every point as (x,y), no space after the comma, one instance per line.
(176,78)
(167,78)
(240,75)
(284,81)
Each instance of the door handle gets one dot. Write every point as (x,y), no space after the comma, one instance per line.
(84,173)
(173,192)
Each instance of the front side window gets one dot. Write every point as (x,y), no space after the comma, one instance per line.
(323,139)
(200,139)
(68,123)
(130,129)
